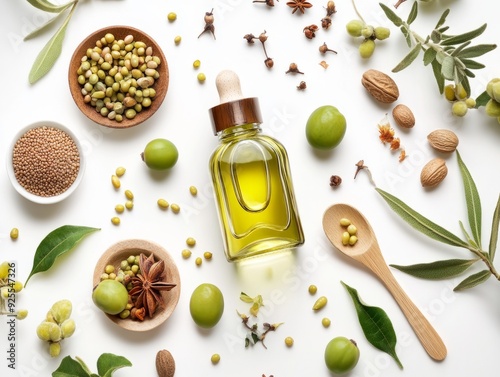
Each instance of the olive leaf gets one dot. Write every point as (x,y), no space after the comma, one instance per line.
(420,222)
(442,19)
(107,364)
(494,231)
(461,38)
(376,325)
(408,59)
(475,51)
(47,6)
(396,20)
(482,99)
(436,69)
(429,56)
(57,242)
(473,280)
(412,16)
(438,270)
(472,199)
(43,27)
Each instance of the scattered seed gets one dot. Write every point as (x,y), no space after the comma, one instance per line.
(129,204)
(172,16)
(320,303)
(119,208)
(14,233)
(201,77)
(177,39)
(175,208)
(115,220)
(196,64)
(115,181)
(120,171)
(162,203)
(186,253)
(312,289)
(215,358)
(190,241)
(326,322)
(198,261)
(289,341)
(207,255)
(129,194)
(193,190)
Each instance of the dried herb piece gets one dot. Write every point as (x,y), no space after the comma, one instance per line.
(209,24)
(256,302)
(255,335)
(376,325)
(57,242)
(438,233)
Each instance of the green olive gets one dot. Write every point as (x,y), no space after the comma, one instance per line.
(366,48)
(492,108)
(206,305)
(341,355)
(354,28)
(459,108)
(382,33)
(325,127)
(110,296)
(160,154)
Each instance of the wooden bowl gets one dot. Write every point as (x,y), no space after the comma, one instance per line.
(121,251)
(160,85)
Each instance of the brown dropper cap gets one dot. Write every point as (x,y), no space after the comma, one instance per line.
(233,110)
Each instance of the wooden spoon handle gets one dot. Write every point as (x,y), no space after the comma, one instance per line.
(430,339)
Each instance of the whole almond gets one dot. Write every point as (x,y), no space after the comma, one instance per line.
(380,86)
(165,364)
(403,116)
(443,140)
(433,172)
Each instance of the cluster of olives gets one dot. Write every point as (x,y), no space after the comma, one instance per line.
(358,28)
(8,288)
(57,326)
(493,105)
(457,95)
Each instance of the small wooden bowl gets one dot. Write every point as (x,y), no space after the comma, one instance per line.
(121,251)
(161,84)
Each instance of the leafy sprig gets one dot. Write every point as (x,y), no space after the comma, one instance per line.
(449,55)
(449,268)
(52,50)
(107,364)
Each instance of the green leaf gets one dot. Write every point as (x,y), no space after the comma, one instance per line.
(419,222)
(494,232)
(47,6)
(482,99)
(442,20)
(475,51)
(43,27)
(436,69)
(448,68)
(396,20)
(473,280)
(472,64)
(429,56)
(473,201)
(407,35)
(376,325)
(246,298)
(108,363)
(50,52)
(457,50)
(438,270)
(461,38)
(465,83)
(70,367)
(413,13)
(408,59)
(467,236)
(57,242)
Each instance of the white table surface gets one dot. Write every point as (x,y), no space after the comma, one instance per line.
(467,321)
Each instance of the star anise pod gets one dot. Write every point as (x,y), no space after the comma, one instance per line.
(301,5)
(148,283)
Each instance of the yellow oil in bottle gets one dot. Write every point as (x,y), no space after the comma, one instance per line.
(254,195)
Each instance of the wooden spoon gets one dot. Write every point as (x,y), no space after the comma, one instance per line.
(367,251)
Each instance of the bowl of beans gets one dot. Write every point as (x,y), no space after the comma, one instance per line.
(118,76)
(45,162)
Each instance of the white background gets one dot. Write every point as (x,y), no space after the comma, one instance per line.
(467,322)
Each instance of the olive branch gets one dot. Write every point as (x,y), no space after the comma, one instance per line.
(449,268)
(450,56)
(52,50)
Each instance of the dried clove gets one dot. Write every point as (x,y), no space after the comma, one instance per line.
(302,85)
(250,38)
(309,31)
(209,23)
(326,22)
(269,3)
(360,165)
(324,49)
(335,180)
(293,68)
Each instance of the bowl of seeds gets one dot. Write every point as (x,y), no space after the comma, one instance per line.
(151,278)
(118,76)
(45,162)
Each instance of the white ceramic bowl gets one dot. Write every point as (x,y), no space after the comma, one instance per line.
(42,199)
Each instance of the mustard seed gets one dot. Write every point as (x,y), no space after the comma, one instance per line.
(46,161)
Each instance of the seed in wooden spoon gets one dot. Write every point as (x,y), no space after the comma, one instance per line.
(349,237)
